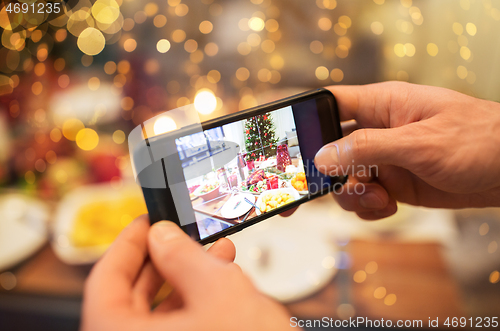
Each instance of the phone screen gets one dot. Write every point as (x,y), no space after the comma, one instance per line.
(236,172)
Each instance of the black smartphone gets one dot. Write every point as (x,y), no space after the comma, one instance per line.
(232,172)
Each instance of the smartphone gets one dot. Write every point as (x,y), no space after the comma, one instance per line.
(235,171)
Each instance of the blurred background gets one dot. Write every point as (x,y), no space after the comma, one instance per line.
(73,86)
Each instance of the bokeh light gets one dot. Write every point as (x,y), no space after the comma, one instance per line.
(106,11)
(119,137)
(494,277)
(432,49)
(164,124)
(379,292)
(359,276)
(71,127)
(206,27)
(163,45)
(390,299)
(256,24)
(322,73)
(205,102)
(91,41)
(87,139)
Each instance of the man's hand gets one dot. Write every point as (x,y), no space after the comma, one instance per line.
(433,147)
(210,291)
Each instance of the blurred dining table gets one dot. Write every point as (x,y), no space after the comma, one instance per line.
(413,276)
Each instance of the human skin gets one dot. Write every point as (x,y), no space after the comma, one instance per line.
(433,147)
(210,291)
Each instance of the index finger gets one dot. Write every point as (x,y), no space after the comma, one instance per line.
(112,278)
(369,105)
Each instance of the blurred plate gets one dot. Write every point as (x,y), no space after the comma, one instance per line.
(284,261)
(293,192)
(22,228)
(83,243)
(236,206)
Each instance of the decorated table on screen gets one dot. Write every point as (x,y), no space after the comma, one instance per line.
(213,207)
(234,201)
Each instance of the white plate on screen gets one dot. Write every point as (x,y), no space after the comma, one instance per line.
(236,206)
(293,192)
(23,229)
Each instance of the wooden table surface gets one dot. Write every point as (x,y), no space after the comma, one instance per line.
(415,273)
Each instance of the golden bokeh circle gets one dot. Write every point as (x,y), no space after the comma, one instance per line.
(91,41)
(87,139)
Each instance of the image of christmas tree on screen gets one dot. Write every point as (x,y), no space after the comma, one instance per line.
(261,141)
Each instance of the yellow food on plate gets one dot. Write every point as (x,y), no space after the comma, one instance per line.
(100,222)
(272,201)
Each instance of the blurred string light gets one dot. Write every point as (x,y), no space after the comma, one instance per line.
(71,127)
(205,102)
(206,27)
(379,292)
(337,75)
(371,267)
(164,124)
(322,73)
(390,299)
(359,276)
(256,24)
(91,41)
(402,50)
(119,137)
(377,28)
(492,247)
(99,23)
(432,49)
(87,139)
(494,277)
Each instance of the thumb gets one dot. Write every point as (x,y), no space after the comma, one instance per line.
(182,262)
(365,147)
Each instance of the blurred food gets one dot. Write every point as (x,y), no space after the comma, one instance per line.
(260,181)
(299,182)
(256,177)
(274,200)
(100,222)
(258,187)
(208,191)
(90,217)
(191,189)
(272,182)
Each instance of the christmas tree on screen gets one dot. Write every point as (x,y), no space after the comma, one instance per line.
(260,137)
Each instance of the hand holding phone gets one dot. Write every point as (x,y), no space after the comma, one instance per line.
(229,173)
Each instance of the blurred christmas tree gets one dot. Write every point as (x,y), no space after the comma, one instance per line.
(260,137)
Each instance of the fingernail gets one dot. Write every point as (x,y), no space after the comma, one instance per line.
(165,231)
(328,155)
(371,201)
